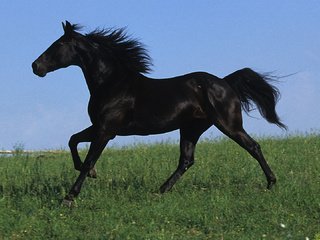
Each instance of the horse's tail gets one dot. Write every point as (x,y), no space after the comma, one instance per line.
(251,86)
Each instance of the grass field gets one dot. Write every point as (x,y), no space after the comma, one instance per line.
(223,196)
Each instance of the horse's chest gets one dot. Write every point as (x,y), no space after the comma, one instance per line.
(115,111)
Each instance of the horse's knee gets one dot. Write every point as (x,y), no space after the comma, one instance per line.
(72,142)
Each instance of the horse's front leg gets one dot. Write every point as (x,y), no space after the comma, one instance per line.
(95,150)
(85,135)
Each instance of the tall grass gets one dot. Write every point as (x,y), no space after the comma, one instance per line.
(223,196)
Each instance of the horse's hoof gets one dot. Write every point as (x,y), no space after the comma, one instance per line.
(68,203)
(164,188)
(271,183)
(92,173)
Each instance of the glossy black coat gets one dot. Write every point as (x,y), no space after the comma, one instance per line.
(123,101)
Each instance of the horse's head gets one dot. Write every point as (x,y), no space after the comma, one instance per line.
(62,53)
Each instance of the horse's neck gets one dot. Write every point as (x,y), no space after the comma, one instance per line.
(106,82)
(95,76)
(101,74)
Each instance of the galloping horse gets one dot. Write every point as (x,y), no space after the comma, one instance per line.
(124,102)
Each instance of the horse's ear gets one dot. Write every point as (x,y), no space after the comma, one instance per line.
(67,27)
(68,24)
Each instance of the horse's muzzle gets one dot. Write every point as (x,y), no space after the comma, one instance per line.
(38,70)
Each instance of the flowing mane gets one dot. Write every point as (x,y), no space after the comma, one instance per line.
(129,53)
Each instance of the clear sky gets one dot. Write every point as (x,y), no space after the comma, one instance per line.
(218,36)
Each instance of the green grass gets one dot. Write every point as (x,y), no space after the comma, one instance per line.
(223,196)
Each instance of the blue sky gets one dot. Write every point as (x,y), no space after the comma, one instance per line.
(182,36)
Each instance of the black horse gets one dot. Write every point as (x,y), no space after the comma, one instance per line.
(125,102)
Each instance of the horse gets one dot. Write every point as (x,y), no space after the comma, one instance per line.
(124,101)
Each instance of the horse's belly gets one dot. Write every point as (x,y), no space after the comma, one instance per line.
(157,122)
(148,127)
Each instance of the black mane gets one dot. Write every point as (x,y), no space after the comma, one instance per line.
(130,53)
(75,27)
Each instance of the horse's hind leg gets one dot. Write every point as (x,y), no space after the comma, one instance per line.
(239,135)
(226,116)
(85,135)
(188,141)
(244,140)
